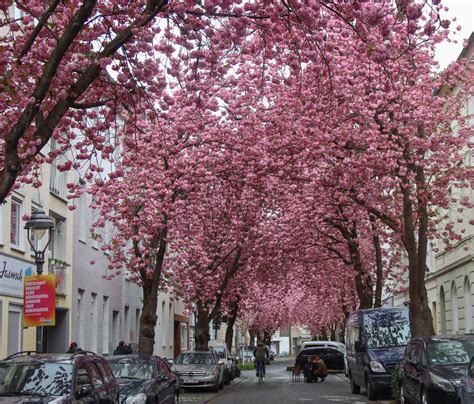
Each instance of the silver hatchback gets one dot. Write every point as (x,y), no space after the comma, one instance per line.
(199,369)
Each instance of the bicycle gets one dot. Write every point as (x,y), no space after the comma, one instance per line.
(259,367)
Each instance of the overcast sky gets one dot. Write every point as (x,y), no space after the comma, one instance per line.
(463,10)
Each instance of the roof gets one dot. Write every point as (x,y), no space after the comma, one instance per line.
(47,357)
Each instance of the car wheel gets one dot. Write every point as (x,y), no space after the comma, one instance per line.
(424,397)
(371,395)
(355,388)
(176,399)
(403,396)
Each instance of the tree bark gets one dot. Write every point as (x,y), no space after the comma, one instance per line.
(421,319)
(231,318)
(146,338)
(202,335)
(378,268)
(252,338)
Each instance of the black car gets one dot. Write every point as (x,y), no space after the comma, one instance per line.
(144,380)
(332,357)
(432,368)
(30,376)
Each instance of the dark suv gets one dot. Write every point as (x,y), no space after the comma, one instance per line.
(82,376)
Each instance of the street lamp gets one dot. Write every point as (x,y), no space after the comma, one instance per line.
(36,227)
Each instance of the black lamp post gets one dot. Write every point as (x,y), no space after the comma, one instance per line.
(36,227)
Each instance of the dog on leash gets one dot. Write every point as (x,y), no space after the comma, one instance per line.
(296,373)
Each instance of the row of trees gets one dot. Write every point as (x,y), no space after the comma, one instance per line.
(277,162)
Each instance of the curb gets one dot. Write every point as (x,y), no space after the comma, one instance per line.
(236,383)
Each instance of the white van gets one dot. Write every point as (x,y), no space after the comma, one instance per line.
(328,344)
(325,344)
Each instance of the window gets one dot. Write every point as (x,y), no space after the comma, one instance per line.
(468,304)
(442,311)
(15,222)
(454,308)
(82,217)
(95,375)
(57,179)
(82,379)
(105,333)
(105,371)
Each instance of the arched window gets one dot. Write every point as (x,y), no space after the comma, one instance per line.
(454,307)
(442,311)
(468,304)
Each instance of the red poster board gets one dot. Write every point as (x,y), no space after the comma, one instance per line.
(39,305)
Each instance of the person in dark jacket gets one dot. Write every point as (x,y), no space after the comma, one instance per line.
(309,368)
(73,348)
(123,349)
(260,353)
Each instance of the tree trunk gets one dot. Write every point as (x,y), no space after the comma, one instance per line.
(146,339)
(421,319)
(202,335)
(229,332)
(333,333)
(378,272)
(252,338)
(324,334)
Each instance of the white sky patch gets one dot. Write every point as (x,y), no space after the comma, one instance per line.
(463,10)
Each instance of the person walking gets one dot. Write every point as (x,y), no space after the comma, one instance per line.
(260,353)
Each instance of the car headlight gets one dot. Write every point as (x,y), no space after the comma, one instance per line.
(377,367)
(443,384)
(140,398)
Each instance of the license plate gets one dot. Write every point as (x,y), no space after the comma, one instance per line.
(190,381)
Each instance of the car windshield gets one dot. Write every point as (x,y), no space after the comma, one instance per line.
(450,352)
(196,359)
(385,329)
(35,378)
(132,368)
(220,351)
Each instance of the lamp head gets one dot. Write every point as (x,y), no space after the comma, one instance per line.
(39,223)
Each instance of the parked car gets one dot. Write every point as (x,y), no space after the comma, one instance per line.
(332,357)
(220,348)
(199,369)
(331,344)
(466,386)
(144,379)
(84,376)
(376,340)
(432,368)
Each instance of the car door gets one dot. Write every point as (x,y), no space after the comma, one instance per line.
(413,369)
(170,381)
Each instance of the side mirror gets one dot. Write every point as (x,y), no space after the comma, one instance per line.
(82,392)
(220,362)
(358,346)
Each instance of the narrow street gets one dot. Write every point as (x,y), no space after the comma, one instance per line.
(278,387)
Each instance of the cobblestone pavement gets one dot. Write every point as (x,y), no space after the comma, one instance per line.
(279,388)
